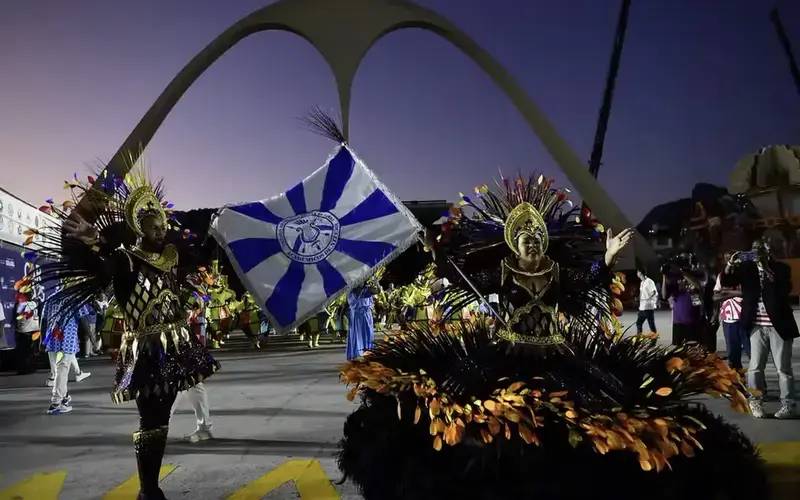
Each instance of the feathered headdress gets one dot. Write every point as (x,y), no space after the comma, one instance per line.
(481,233)
(115,207)
(524,218)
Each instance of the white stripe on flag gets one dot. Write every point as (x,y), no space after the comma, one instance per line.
(298,251)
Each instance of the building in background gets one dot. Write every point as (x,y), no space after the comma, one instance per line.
(762,198)
(708,223)
(770,179)
(16,216)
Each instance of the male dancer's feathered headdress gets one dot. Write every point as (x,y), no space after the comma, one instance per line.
(115,207)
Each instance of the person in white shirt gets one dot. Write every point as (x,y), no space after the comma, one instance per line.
(648,302)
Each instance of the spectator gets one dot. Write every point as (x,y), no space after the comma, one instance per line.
(767,316)
(648,302)
(27,329)
(198,398)
(3,343)
(683,288)
(62,344)
(101,304)
(87,331)
(736,338)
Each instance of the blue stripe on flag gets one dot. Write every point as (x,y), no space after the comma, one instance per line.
(297,198)
(332,279)
(340,169)
(368,252)
(250,252)
(374,206)
(258,211)
(283,301)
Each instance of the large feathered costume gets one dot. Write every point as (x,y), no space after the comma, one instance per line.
(157,354)
(547,400)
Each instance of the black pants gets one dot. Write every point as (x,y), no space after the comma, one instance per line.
(685,333)
(154,411)
(150,442)
(249,331)
(25,351)
(648,315)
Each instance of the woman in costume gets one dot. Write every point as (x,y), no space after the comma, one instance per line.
(416,296)
(337,322)
(126,248)
(361,330)
(552,402)
(249,321)
(220,309)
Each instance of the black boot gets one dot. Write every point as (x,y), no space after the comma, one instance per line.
(149,447)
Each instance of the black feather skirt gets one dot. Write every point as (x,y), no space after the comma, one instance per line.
(164,362)
(456,415)
(390,458)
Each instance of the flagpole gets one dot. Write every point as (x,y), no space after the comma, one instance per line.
(471,285)
(475,290)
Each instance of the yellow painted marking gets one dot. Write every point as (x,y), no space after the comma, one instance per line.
(130,488)
(782,459)
(783,468)
(310,480)
(40,486)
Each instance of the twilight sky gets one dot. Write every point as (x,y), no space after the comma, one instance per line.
(702,83)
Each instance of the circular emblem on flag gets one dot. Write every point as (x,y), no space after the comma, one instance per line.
(309,238)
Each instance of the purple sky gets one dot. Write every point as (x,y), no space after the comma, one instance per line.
(702,83)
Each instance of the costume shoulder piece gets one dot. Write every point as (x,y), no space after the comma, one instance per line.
(165,261)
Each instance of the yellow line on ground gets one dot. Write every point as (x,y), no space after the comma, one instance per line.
(130,488)
(783,468)
(40,486)
(782,460)
(310,479)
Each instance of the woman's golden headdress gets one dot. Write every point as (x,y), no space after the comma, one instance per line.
(524,218)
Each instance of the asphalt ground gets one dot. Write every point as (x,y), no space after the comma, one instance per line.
(278,415)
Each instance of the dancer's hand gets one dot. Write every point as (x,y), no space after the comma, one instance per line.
(615,244)
(80,230)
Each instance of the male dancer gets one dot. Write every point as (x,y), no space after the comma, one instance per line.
(158,357)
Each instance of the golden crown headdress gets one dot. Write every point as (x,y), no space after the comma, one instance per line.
(143,201)
(144,198)
(524,218)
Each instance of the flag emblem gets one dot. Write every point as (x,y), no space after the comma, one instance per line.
(309,238)
(298,251)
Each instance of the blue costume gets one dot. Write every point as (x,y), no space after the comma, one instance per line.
(63,338)
(361,333)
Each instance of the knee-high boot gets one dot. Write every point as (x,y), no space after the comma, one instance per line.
(149,447)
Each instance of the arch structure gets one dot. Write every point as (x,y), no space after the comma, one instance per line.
(343,32)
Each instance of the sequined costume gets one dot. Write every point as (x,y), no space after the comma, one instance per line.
(547,399)
(158,357)
(158,354)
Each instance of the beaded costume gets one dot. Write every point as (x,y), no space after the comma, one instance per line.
(158,357)
(547,400)
(158,354)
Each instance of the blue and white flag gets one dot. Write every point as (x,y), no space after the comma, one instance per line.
(298,251)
